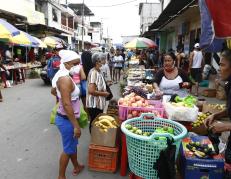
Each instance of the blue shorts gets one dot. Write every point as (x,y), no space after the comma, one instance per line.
(67,132)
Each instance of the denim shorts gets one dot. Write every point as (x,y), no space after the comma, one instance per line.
(66,130)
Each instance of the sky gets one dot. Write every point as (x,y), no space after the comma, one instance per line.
(119,20)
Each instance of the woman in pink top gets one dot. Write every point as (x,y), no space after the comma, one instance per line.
(78,75)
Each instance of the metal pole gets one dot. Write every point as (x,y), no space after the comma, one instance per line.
(82,25)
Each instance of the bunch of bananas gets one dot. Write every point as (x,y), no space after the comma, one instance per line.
(106,122)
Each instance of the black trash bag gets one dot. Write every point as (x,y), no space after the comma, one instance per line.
(214,138)
(165,164)
(228,151)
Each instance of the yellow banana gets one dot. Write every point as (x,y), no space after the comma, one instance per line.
(106,117)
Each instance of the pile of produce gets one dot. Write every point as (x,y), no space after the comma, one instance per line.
(200,119)
(159,130)
(217,106)
(200,150)
(106,122)
(189,101)
(137,113)
(134,100)
(137,131)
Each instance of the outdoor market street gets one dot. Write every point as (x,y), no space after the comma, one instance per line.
(30,146)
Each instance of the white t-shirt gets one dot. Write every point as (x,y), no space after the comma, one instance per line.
(8,55)
(197,59)
(105,71)
(118,61)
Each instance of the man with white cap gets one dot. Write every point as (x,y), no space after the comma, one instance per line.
(195,65)
(64,88)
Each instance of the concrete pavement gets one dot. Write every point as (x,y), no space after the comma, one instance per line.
(29,145)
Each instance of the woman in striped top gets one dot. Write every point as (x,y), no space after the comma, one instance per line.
(96,91)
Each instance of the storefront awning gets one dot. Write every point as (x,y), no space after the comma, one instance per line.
(171,11)
(40,30)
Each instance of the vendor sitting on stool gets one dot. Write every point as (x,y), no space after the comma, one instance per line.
(212,122)
(171,80)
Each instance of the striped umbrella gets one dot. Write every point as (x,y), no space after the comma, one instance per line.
(24,39)
(52,41)
(41,43)
(140,43)
(7,30)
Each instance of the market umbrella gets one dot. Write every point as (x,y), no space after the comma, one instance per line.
(41,44)
(140,43)
(7,30)
(52,41)
(24,39)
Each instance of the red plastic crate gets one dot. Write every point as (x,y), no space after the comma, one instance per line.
(103,159)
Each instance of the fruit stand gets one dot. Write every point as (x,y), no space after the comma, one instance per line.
(148,122)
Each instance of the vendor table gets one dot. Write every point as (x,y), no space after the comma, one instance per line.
(19,68)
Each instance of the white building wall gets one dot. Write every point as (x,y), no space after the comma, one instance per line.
(24,8)
(52,23)
(149,13)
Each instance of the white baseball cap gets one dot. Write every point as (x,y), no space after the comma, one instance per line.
(197,45)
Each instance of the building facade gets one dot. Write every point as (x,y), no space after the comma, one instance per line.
(148,12)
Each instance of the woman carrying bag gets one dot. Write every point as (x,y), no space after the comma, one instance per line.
(68,111)
(97,90)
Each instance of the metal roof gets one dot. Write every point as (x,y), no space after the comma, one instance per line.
(170,12)
(78,8)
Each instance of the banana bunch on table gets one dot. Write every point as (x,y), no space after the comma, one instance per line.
(106,122)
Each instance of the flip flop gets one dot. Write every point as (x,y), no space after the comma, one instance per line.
(75,172)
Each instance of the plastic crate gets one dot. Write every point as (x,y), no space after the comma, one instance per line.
(157,106)
(103,159)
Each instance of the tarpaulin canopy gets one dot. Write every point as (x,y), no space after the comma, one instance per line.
(215,24)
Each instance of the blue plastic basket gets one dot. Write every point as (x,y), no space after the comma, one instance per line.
(143,151)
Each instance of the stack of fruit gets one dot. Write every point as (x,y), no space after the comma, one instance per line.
(200,119)
(106,122)
(137,113)
(133,100)
(159,130)
(136,130)
(200,150)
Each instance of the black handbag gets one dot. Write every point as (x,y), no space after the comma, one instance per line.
(108,98)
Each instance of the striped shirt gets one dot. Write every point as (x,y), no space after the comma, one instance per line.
(99,102)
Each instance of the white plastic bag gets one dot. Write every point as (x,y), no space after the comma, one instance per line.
(181,113)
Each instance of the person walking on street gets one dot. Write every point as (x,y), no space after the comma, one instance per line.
(195,66)
(110,57)
(68,111)
(96,92)
(118,65)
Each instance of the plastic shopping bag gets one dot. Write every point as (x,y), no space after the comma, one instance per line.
(53,113)
(181,113)
(83,119)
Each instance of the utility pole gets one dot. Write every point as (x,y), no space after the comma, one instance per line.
(82,25)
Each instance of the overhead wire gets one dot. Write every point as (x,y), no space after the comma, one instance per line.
(113,5)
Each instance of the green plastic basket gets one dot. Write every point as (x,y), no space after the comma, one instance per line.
(143,151)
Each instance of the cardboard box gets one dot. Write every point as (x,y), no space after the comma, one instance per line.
(193,167)
(210,93)
(107,139)
(206,108)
